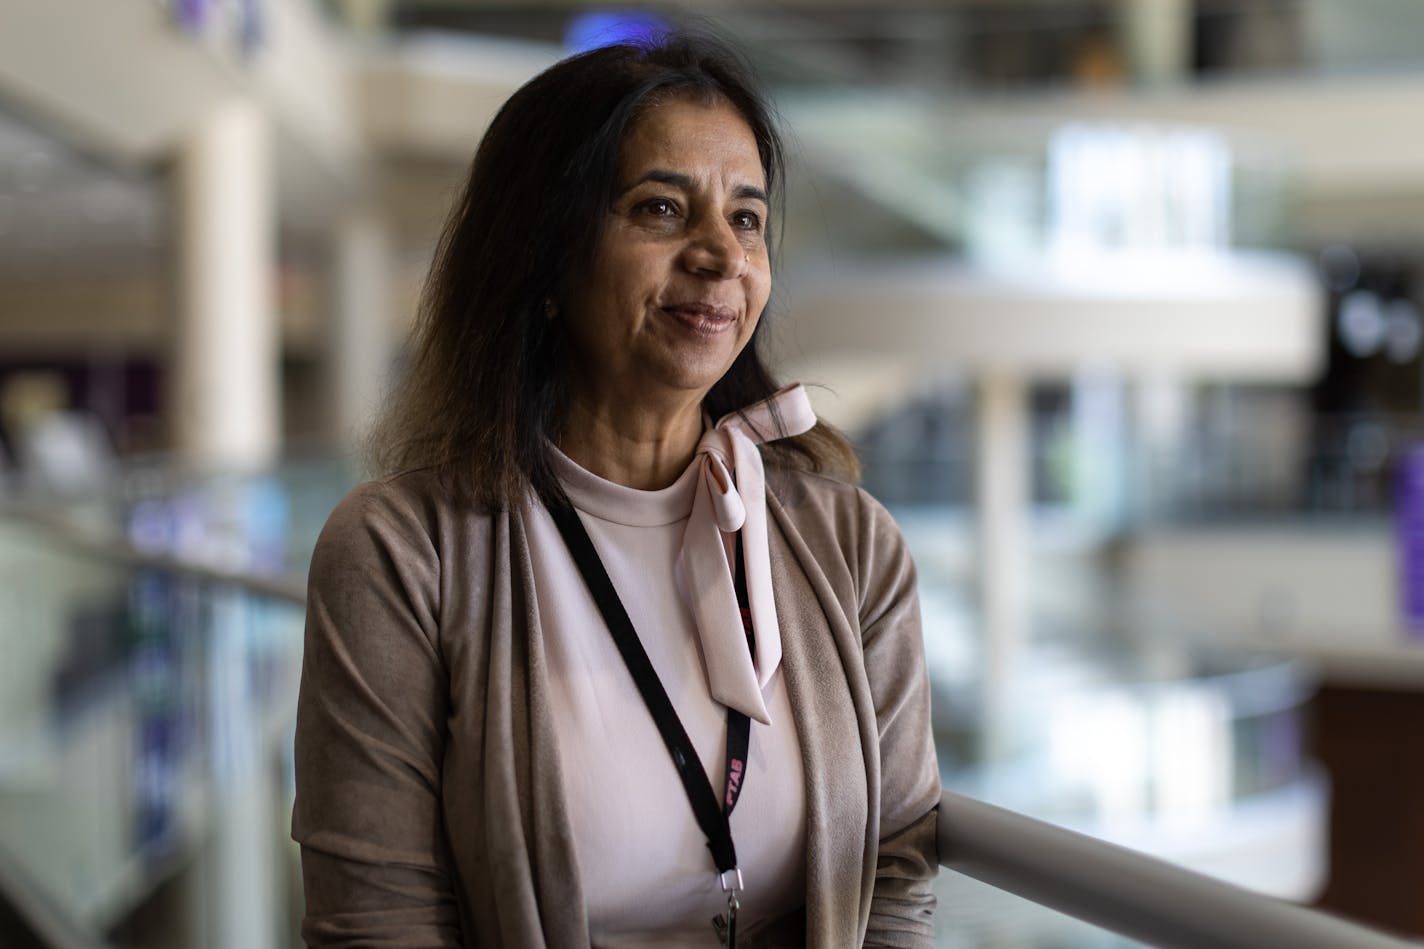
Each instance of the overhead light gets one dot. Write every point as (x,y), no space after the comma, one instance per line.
(601,28)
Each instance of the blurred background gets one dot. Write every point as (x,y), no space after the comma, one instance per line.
(1119,299)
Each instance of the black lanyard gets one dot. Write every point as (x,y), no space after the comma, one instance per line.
(712,818)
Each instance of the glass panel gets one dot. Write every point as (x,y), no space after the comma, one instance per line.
(1121,728)
(145,745)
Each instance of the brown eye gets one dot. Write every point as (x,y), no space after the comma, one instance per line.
(657,207)
(747,220)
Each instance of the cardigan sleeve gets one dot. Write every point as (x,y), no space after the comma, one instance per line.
(902,904)
(371,724)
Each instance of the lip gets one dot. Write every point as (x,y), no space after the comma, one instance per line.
(705,319)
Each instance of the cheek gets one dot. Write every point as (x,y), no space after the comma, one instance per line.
(633,276)
(758,295)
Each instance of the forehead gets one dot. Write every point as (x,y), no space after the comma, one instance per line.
(683,133)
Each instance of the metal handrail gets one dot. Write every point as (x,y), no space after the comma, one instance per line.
(1127,892)
(113,550)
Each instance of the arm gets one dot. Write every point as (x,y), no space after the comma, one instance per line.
(902,906)
(370,734)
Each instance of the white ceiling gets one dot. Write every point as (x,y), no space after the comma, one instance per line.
(64,206)
(60,208)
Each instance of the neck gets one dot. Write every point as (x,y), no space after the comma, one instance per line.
(636,447)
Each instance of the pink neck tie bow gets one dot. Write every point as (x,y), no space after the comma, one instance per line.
(731,497)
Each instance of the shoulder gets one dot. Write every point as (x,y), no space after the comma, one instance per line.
(836,519)
(827,504)
(389,507)
(396,520)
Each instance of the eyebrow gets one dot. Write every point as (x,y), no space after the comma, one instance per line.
(679,180)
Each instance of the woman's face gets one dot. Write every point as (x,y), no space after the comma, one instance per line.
(681,272)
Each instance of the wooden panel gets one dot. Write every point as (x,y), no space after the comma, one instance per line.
(1372,743)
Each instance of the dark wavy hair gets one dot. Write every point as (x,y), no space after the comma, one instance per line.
(484,386)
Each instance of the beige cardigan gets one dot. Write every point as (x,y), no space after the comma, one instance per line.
(428,795)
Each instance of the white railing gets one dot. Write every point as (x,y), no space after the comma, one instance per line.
(1127,892)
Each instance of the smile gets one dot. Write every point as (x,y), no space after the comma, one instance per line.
(704,319)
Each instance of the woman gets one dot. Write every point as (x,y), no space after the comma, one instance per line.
(483,758)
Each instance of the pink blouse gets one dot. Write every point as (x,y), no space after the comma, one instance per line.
(647,874)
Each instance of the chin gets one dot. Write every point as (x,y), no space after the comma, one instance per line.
(691,377)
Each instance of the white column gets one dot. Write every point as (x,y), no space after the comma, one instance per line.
(361,337)
(1160,409)
(366,17)
(1157,36)
(1100,430)
(1003,490)
(224,400)
(243,870)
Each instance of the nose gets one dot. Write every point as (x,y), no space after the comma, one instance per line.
(714,251)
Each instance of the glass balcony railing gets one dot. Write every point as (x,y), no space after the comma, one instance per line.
(153,640)
(147,706)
